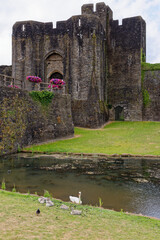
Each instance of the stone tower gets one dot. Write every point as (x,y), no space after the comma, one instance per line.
(99,60)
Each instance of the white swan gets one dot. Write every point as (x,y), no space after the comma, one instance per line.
(76,199)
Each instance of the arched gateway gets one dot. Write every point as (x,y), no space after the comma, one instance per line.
(53,66)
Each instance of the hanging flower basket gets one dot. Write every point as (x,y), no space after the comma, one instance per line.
(34,79)
(57,81)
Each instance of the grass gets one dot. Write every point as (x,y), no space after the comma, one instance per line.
(137,138)
(19,221)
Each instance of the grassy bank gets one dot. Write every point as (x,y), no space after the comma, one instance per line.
(139,138)
(19,221)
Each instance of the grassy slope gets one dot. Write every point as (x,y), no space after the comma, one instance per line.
(19,221)
(140,138)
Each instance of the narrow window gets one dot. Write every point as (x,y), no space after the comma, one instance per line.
(23,27)
(79,22)
(77,87)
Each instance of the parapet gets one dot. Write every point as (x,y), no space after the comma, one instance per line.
(30,28)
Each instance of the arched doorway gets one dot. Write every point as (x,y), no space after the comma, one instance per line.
(53,66)
(119,113)
(56,75)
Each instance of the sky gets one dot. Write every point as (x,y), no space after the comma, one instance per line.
(12,11)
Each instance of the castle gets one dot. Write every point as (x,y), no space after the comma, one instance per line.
(99,60)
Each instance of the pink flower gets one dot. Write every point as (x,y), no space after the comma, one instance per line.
(13,86)
(34,79)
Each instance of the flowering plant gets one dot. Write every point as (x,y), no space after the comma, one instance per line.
(13,86)
(34,79)
(57,81)
(53,86)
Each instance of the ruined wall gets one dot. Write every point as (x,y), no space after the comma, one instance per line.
(151,85)
(24,121)
(127,41)
(5,70)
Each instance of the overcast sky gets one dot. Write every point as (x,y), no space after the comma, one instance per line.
(12,11)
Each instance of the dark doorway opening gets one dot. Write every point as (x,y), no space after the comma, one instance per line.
(56,75)
(119,113)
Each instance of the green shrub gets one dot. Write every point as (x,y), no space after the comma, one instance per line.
(47,194)
(3,186)
(44,97)
(14,188)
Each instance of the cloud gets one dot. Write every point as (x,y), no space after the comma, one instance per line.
(52,11)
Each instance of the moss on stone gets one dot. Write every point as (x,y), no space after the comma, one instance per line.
(13,124)
(102,106)
(146,97)
(143,56)
(145,93)
(150,66)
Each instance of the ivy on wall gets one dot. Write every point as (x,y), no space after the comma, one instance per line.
(146,67)
(44,97)
(145,93)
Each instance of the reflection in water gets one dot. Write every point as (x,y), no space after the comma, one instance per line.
(27,174)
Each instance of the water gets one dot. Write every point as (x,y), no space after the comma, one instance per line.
(30,174)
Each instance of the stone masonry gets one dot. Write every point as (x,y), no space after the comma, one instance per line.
(24,121)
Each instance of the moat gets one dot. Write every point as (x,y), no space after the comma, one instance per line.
(128,184)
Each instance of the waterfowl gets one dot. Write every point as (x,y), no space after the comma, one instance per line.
(49,203)
(64,207)
(42,200)
(76,199)
(76,212)
(38,212)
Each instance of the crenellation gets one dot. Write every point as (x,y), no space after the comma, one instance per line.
(61,25)
(87,9)
(48,27)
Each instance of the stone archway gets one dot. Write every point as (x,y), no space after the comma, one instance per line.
(119,113)
(53,66)
(56,75)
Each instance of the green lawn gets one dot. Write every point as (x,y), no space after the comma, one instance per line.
(18,220)
(140,138)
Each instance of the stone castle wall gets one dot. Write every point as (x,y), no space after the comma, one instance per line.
(151,84)
(127,41)
(75,49)
(24,121)
(99,60)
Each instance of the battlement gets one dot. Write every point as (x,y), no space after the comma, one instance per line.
(87,9)
(130,34)
(30,28)
(103,11)
(128,23)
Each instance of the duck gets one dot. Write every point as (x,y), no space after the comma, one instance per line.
(38,212)
(76,212)
(76,199)
(49,203)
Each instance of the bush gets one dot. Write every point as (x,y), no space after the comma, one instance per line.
(44,97)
